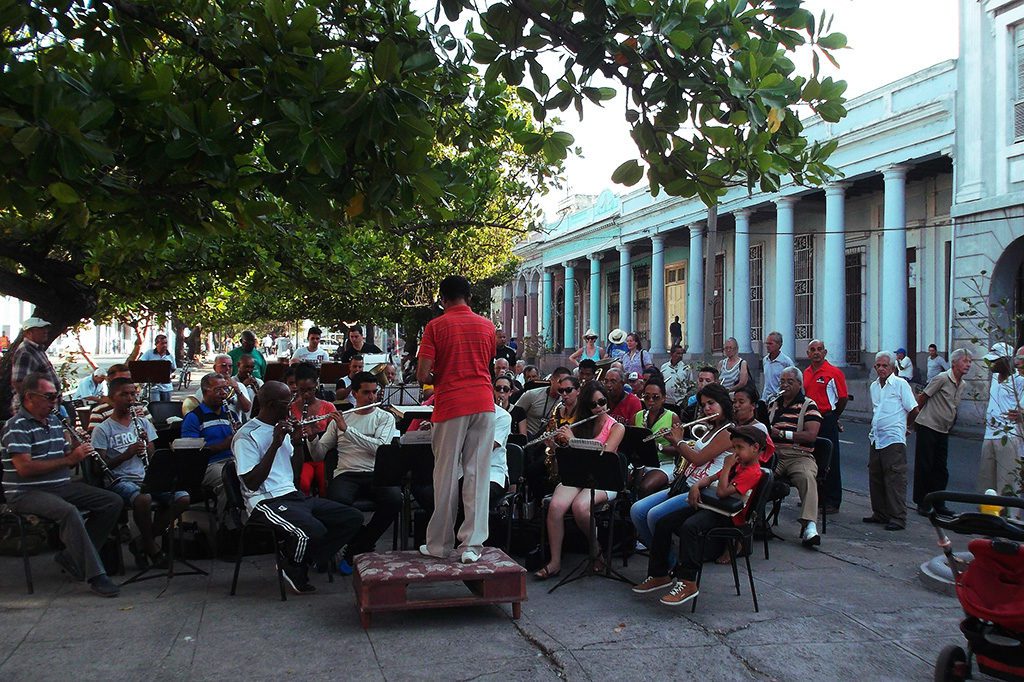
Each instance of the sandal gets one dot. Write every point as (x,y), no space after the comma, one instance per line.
(544,573)
(599,565)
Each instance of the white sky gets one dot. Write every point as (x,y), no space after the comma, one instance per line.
(887,39)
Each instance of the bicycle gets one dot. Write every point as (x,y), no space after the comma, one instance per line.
(185,374)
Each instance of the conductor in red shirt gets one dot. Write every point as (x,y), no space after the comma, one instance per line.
(455,356)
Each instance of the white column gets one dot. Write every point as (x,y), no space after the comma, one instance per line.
(785,303)
(546,295)
(595,295)
(834,322)
(741,281)
(625,290)
(658,293)
(695,291)
(894,260)
(569,336)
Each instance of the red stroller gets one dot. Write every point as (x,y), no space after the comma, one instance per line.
(990,588)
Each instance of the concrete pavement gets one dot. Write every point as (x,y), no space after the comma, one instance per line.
(852,610)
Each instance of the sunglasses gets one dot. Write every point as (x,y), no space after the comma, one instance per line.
(566,391)
(601,402)
(48,397)
(650,396)
(590,338)
(503,389)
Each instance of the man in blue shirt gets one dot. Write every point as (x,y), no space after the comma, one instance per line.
(212,422)
(160,352)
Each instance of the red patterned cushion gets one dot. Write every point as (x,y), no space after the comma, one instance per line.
(378,567)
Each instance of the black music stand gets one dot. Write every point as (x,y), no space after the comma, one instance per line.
(580,468)
(639,453)
(167,472)
(332,372)
(150,372)
(275,371)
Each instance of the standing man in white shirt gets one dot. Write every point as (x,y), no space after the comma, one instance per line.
(313,528)
(268,345)
(997,468)
(936,363)
(905,368)
(284,348)
(160,352)
(894,404)
(678,377)
(772,365)
(312,352)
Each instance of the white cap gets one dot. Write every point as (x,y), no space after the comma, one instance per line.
(34,323)
(999,350)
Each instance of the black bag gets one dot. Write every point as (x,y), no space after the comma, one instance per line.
(35,539)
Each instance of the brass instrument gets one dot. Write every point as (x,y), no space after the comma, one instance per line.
(78,437)
(695,432)
(140,433)
(773,397)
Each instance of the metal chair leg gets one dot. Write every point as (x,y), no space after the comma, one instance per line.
(238,558)
(750,577)
(24,555)
(700,569)
(732,561)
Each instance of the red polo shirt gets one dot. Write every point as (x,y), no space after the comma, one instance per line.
(825,386)
(625,411)
(461,344)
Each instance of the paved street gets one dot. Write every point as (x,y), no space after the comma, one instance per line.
(853,610)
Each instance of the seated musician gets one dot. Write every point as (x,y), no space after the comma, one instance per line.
(345,390)
(502,392)
(103,409)
(37,462)
(586,372)
(118,442)
(592,401)
(502,428)
(656,418)
(249,385)
(704,456)
(314,529)
(705,375)
(794,422)
(357,434)
(391,375)
(748,410)
(623,406)
(537,404)
(690,522)
(211,422)
(307,405)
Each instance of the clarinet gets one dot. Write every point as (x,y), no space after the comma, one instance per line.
(80,437)
(140,434)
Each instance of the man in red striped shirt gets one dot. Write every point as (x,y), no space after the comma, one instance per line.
(825,384)
(455,356)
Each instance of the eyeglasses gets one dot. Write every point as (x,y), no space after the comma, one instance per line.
(503,389)
(651,396)
(566,391)
(601,402)
(48,397)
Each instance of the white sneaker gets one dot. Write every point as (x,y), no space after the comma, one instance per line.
(426,552)
(810,537)
(470,556)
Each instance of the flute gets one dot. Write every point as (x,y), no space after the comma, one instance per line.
(314,420)
(550,434)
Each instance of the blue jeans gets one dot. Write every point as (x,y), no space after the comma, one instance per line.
(160,395)
(646,513)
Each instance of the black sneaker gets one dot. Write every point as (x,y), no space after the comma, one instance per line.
(104,586)
(68,565)
(297,578)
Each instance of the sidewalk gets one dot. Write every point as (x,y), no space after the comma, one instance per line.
(855,609)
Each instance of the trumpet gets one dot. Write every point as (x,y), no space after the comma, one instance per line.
(694,431)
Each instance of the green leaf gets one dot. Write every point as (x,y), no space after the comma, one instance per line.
(95,115)
(833,41)
(628,173)
(385,59)
(10,118)
(26,139)
(63,193)
(681,40)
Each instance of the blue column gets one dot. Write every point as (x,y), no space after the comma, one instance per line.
(595,296)
(695,292)
(834,322)
(785,302)
(549,333)
(625,290)
(894,260)
(741,281)
(658,293)
(570,342)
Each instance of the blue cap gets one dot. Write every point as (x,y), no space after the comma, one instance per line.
(901,350)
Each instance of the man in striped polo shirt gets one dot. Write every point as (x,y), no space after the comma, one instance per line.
(795,421)
(211,421)
(37,480)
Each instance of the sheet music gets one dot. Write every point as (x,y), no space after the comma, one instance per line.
(415,437)
(188,444)
(586,444)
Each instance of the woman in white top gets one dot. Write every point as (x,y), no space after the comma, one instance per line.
(732,370)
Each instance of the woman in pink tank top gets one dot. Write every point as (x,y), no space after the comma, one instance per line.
(592,400)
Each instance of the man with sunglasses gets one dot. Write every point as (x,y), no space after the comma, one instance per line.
(37,462)
(212,422)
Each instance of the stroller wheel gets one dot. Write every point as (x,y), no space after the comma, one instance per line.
(951,664)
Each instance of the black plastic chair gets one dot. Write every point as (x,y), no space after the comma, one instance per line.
(744,533)
(505,507)
(9,516)
(823,458)
(236,507)
(163,409)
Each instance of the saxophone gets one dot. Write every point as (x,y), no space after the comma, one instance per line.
(550,463)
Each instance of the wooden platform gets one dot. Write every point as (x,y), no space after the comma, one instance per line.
(381,581)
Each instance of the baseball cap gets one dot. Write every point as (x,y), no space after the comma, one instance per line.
(901,350)
(751,434)
(633,376)
(999,350)
(34,323)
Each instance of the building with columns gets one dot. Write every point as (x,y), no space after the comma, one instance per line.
(862,263)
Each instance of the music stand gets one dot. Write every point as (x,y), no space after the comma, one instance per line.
(639,453)
(581,468)
(275,371)
(332,372)
(402,394)
(150,372)
(167,472)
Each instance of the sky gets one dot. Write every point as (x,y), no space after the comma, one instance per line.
(887,39)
